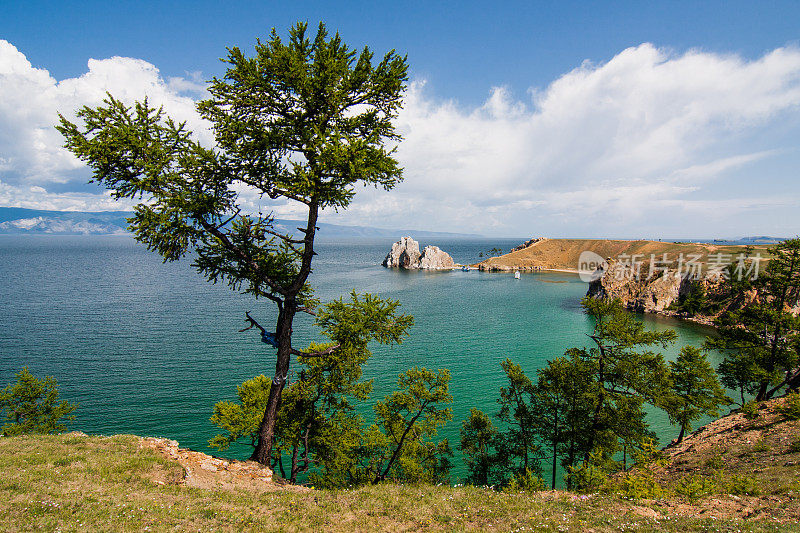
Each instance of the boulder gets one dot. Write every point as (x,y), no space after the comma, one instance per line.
(435,259)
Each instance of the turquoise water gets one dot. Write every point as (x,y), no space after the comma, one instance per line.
(148,348)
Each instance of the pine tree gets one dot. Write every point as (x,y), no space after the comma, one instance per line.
(478,437)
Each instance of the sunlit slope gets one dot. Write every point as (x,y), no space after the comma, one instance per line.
(564,254)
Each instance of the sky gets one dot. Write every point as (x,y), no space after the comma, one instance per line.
(560,119)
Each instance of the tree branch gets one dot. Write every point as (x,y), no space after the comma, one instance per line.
(226,242)
(316,354)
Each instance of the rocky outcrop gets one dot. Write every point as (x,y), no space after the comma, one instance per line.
(651,294)
(526,244)
(405,254)
(435,259)
(206,472)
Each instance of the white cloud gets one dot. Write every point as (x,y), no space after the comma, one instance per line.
(622,141)
(30,100)
(607,148)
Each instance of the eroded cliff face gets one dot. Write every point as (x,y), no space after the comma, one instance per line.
(652,294)
(405,254)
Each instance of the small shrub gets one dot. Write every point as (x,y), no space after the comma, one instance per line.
(761,446)
(525,482)
(743,485)
(588,477)
(750,410)
(791,409)
(639,486)
(695,487)
(794,447)
(716,462)
(650,454)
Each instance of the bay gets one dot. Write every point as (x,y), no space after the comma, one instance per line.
(147,348)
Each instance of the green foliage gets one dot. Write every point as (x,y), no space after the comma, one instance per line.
(591,475)
(241,420)
(517,447)
(625,372)
(760,338)
(649,454)
(478,435)
(695,487)
(639,485)
(743,485)
(406,421)
(716,462)
(694,301)
(750,410)
(791,409)
(525,481)
(794,447)
(31,405)
(306,120)
(562,405)
(695,390)
(318,428)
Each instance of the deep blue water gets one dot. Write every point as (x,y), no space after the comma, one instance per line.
(148,348)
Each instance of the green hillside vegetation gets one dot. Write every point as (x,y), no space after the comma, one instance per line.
(78,483)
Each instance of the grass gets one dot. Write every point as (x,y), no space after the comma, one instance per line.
(70,483)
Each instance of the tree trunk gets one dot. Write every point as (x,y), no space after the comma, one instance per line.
(266,430)
(762,392)
(286,314)
(555,447)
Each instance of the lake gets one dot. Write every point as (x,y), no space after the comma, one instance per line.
(148,348)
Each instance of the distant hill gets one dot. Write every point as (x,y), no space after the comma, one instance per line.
(19,221)
(565,254)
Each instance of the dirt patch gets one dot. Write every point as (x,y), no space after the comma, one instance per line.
(207,472)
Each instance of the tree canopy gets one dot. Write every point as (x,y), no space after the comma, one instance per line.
(31,405)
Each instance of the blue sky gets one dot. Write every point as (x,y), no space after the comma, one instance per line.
(630,119)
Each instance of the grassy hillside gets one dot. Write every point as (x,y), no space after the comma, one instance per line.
(563,254)
(79,483)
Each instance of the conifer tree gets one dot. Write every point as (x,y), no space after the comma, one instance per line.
(761,338)
(305,120)
(696,391)
(32,405)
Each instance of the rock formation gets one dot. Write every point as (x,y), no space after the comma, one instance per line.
(526,244)
(435,259)
(653,294)
(405,254)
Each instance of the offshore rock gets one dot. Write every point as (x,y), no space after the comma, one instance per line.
(404,254)
(435,259)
